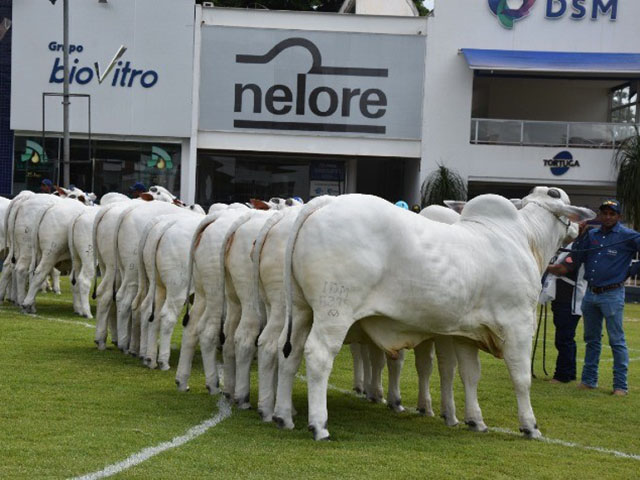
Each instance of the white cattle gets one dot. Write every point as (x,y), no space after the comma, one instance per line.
(50,240)
(103,230)
(206,274)
(4,208)
(165,255)
(407,279)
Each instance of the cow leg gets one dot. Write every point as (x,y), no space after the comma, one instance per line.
(55,281)
(153,329)
(75,293)
(374,388)
(209,336)
(124,298)
(517,356)
(245,345)
(447,362)
(358,368)
(424,367)
(136,333)
(39,276)
(5,280)
(168,319)
(103,305)
(145,314)
(394,399)
(287,367)
(366,369)
(188,347)
(322,346)
(268,362)
(469,365)
(22,275)
(234,311)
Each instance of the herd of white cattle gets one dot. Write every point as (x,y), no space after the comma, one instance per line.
(278,279)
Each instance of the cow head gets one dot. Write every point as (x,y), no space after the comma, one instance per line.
(260,204)
(556,201)
(157,192)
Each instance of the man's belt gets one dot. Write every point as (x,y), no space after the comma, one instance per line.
(606,288)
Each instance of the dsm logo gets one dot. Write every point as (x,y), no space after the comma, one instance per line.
(508,16)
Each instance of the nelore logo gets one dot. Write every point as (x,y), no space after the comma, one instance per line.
(561,163)
(34,153)
(124,74)
(321,101)
(508,16)
(160,159)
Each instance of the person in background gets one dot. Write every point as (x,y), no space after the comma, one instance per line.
(566,294)
(606,253)
(402,204)
(136,189)
(46,186)
(416,208)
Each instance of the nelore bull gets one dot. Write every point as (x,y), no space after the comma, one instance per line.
(406,278)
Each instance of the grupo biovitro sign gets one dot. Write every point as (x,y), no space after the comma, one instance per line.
(555,9)
(83,70)
(321,82)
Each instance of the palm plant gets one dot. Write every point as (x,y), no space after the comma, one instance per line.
(627,163)
(442,184)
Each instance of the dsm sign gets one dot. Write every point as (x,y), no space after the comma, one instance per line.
(311,82)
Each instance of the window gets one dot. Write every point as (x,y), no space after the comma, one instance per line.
(624,103)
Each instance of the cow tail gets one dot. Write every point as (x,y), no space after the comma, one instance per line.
(10,224)
(305,213)
(152,274)
(204,223)
(72,249)
(223,271)
(142,272)
(256,251)
(94,241)
(35,237)
(116,231)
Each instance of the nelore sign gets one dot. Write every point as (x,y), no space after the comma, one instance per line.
(311,82)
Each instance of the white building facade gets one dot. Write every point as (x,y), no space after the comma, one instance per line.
(225,104)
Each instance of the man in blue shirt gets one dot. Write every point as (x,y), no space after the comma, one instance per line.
(606,253)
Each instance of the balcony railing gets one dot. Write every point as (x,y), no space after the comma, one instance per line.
(550,134)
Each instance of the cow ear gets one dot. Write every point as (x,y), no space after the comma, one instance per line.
(576,214)
(61,191)
(82,199)
(147,197)
(455,205)
(178,202)
(259,204)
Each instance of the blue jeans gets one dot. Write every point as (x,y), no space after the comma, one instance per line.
(565,323)
(609,305)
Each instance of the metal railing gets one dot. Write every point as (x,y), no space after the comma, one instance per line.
(550,134)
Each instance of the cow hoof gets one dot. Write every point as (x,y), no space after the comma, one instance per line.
(373,399)
(476,426)
(213,389)
(450,421)
(164,366)
(531,433)
(396,406)
(283,424)
(243,403)
(319,434)
(358,390)
(182,387)
(425,412)
(265,417)
(100,344)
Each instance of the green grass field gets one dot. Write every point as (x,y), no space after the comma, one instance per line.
(67,410)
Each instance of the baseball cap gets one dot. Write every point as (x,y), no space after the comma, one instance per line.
(402,204)
(47,182)
(611,203)
(138,187)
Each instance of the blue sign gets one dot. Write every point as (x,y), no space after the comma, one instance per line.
(561,163)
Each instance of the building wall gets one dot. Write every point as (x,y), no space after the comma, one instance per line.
(6,136)
(447,111)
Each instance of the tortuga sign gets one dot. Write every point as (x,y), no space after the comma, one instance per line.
(507,13)
(311,82)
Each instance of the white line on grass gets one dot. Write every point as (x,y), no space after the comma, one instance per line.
(224,412)
(60,320)
(554,441)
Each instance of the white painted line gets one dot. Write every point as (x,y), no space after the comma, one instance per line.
(554,441)
(224,412)
(59,320)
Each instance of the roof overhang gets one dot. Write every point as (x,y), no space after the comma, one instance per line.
(556,62)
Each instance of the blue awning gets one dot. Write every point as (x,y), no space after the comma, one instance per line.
(580,62)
